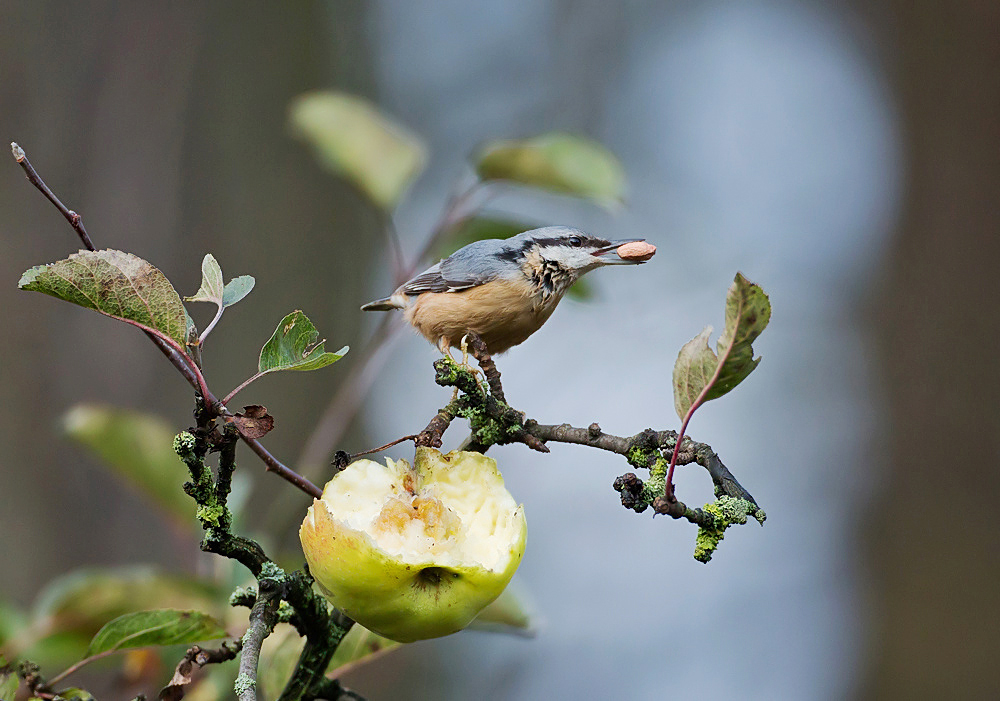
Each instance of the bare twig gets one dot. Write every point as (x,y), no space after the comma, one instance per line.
(195,658)
(181,361)
(75,220)
(431,436)
(384,447)
(485,360)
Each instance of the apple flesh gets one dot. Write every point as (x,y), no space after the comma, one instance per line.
(415,553)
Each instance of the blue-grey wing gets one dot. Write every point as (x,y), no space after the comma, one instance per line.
(467,267)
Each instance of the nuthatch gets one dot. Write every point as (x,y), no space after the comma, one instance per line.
(501,289)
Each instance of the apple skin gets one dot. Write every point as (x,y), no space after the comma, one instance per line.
(423,593)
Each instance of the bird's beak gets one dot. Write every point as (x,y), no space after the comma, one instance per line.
(608,255)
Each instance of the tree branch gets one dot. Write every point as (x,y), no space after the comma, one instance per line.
(182,363)
(195,658)
(74,219)
(263,617)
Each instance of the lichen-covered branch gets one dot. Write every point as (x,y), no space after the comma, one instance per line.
(263,617)
(322,627)
(494,422)
(323,631)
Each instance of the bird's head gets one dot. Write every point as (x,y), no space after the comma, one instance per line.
(555,256)
(572,251)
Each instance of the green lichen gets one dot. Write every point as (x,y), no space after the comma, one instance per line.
(244,684)
(243,596)
(184,445)
(210,515)
(734,510)
(285,612)
(271,571)
(725,511)
(654,487)
(447,371)
(639,457)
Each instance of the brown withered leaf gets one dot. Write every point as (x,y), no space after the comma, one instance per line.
(195,658)
(254,422)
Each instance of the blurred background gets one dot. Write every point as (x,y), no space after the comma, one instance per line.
(843,155)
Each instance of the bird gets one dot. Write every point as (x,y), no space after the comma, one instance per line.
(504,290)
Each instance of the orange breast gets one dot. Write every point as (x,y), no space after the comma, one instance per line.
(503,312)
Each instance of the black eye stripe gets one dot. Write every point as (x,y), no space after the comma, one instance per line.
(517,254)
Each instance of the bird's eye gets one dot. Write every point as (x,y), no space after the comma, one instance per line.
(575,241)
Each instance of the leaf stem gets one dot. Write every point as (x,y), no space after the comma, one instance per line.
(177,356)
(242,386)
(84,662)
(668,488)
(211,325)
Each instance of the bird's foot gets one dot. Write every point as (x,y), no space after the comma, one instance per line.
(476,372)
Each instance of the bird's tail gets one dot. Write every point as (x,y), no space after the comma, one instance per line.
(381,305)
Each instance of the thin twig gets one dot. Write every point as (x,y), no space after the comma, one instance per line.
(384,447)
(195,658)
(482,355)
(75,220)
(180,360)
(276,466)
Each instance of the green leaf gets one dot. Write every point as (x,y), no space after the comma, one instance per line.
(557,162)
(701,371)
(120,285)
(359,646)
(74,693)
(12,621)
(85,600)
(354,140)
(212,290)
(160,627)
(293,346)
(211,282)
(8,681)
(139,448)
(236,289)
(695,366)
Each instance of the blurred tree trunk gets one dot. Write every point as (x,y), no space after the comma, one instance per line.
(164,125)
(934,536)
